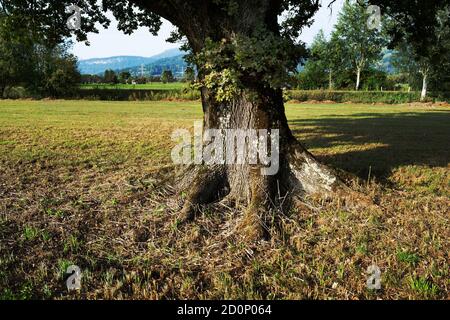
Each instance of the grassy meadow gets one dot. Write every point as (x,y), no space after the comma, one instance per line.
(90,183)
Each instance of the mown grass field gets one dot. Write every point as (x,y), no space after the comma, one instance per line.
(147,86)
(89,183)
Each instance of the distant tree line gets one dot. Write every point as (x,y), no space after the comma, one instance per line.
(125,77)
(352,57)
(34,62)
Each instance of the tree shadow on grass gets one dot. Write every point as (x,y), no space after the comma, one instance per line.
(378,142)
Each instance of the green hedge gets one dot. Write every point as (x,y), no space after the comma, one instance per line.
(390,97)
(136,94)
(15,93)
(387,97)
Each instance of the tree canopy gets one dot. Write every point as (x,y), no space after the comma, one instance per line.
(28,60)
(414,21)
(233,41)
(361,45)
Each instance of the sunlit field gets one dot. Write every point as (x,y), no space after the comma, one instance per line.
(91,184)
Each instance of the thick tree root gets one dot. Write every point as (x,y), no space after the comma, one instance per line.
(203,186)
(254,225)
(317,179)
(308,174)
(300,176)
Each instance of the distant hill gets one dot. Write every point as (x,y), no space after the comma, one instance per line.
(171,60)
(175,64)
(100,65)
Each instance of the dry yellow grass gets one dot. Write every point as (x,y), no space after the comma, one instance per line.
(90,184)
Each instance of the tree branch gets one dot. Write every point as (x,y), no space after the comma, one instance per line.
(167,9)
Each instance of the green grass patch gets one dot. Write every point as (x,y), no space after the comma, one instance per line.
(408,257)
(423,287)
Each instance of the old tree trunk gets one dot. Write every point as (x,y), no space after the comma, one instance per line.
(424,92)
(299,172)
(256,105)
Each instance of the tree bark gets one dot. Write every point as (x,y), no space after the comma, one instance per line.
(358,78)
(330,80)
(299,174)
(423,95)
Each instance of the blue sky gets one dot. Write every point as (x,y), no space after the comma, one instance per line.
(112,42)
